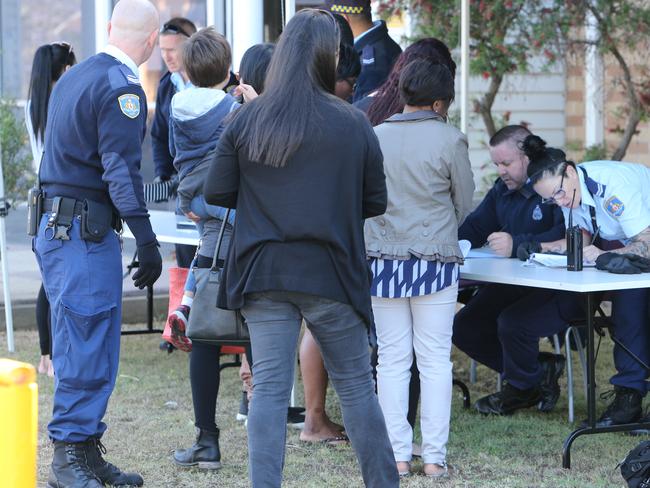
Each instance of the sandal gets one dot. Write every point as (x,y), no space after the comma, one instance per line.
(442,475)
(404,473)
(338,440)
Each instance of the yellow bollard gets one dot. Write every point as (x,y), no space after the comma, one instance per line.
(18,424)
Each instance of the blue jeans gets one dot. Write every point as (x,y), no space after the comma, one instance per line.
(205,211)
(274,320)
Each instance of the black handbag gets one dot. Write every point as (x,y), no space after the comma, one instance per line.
(635,468)
(208,323)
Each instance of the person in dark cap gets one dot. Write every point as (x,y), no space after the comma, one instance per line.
(371,40)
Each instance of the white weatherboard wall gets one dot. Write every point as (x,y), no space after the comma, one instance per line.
(537,98)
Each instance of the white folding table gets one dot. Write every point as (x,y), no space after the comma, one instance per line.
(589,281)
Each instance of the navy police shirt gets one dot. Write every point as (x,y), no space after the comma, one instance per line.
(95,127)
(520,213)
(378,53)
(162,159)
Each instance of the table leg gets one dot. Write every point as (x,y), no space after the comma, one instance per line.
(591,385)
(149,330)
(150,308)
(463,388)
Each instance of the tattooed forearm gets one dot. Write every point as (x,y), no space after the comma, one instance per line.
(640,245)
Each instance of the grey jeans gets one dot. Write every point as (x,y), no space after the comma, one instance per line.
(274,320)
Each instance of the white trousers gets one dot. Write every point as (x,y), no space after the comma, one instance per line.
(423,324)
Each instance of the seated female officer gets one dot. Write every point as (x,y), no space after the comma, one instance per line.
(610,201)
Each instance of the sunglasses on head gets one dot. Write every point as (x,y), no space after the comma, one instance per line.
(173,29)
(64,45)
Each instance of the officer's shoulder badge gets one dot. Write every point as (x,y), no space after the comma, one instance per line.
(129,105)
(537,213)
(614,206)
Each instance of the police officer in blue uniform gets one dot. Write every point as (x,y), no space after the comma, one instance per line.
(378,51)
(611,203)
(501,325)
(90,176)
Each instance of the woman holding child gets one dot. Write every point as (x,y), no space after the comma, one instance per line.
(303,169)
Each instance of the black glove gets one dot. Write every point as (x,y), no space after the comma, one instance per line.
(525,249)
(622,263)
(149,265)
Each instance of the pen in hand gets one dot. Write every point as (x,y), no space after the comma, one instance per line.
(595,236)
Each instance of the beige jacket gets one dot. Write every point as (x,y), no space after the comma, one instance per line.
(430,187)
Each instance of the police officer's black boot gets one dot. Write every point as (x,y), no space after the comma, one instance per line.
(552,368)
(625,408)
(508,400)
(204,453)
(108,473)
(70,468)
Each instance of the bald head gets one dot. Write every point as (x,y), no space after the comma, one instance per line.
(134,28)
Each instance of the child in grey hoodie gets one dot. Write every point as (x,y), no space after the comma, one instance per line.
(196,121)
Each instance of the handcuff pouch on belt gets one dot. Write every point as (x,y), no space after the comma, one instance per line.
(97,219)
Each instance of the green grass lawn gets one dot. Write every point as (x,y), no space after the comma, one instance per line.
(519,451)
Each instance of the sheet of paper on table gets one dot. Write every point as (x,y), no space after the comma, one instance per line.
(552,261)
(478,252)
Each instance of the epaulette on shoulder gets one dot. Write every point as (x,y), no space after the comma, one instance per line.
(595,188)
(120,76)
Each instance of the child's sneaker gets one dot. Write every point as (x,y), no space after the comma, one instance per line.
(177,321)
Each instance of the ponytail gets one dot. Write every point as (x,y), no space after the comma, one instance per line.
(50,62)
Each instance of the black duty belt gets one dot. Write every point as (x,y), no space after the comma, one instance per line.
(48,205)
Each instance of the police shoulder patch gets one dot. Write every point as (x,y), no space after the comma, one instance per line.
(129,105)
(614,206)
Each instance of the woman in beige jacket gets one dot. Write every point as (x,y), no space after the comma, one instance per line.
(414,257)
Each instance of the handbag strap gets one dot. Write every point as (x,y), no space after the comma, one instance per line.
(220,240)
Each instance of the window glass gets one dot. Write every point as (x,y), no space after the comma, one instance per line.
(152,70)
(40,26)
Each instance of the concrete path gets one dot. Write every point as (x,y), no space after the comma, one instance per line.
(25,277)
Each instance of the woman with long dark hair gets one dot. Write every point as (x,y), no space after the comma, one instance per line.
(303,170)
(50,62)
(386,101)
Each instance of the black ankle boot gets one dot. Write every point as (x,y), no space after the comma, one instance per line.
(552,368)
(108,473)
(204,453)
(626,408)
(70,468)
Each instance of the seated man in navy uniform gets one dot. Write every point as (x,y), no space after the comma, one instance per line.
(502,324)
(371,40)
(90,176)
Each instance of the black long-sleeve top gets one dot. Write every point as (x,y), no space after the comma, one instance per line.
(300,227)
